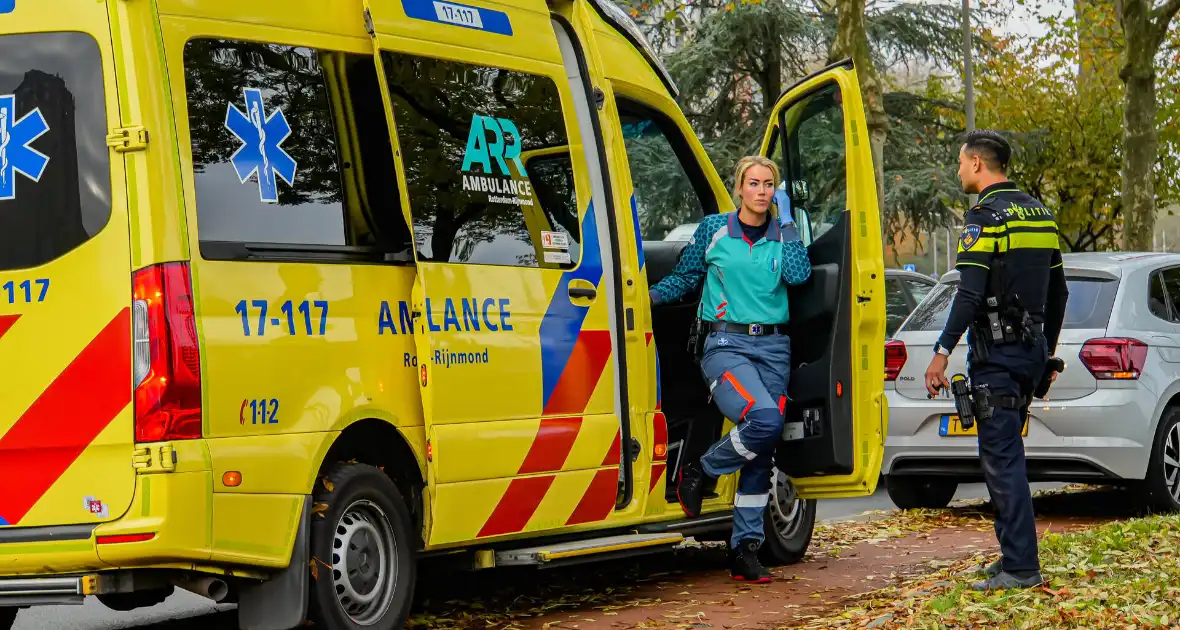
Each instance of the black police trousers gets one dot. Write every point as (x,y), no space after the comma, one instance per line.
(1012,369)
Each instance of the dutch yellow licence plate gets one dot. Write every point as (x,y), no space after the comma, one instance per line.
(949,426)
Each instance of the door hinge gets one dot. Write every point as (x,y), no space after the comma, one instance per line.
(369,23)
(157,459)
(127,139)
(599,97)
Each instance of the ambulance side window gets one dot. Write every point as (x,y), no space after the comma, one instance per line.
(55,180)
(487,163)
(671,190)
(814,167)
(290,153)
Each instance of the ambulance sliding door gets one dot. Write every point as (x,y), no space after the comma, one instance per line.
(514,308)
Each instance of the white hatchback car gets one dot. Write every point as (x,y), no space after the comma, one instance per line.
(1111,417)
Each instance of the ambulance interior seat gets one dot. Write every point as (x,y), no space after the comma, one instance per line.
(694,423)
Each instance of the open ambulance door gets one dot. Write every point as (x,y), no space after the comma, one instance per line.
(836,414)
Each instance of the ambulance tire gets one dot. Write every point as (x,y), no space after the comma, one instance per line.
(7,618)
(788,524)
(366,515)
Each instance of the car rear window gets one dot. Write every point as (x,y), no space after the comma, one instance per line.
(1090,303)
(55,177)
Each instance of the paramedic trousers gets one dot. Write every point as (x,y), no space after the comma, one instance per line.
(1011,370)
(747,377)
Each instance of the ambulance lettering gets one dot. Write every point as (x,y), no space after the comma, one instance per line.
(500,187)
(469,315)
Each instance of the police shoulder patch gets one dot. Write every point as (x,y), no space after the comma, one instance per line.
(970,236)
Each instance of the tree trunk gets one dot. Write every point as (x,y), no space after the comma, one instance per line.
(852,40)
(1142,33)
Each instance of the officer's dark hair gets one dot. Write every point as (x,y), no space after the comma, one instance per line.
(990,147)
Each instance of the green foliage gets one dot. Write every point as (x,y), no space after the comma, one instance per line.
(732,59)
(1065,132)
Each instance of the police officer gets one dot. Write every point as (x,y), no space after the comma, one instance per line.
(1010,303)
(745,259)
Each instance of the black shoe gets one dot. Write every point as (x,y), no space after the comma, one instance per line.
(745,566)
(993,569)
(1004,580)
(690,488)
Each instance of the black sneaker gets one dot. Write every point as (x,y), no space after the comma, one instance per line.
(1004,581)
(690,488)
(745,566)
(993,569)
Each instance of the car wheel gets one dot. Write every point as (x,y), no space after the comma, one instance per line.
(7,618)
(788,524)
(1163,470)
(909,493)
(365,570)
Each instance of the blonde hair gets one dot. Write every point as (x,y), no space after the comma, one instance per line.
(739,178)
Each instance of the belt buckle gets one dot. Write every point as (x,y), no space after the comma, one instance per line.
(755,329)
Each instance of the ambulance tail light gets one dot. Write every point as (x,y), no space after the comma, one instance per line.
(895,358)
(1114,358)
(167,361)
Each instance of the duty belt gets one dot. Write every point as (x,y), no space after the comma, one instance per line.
(756,330)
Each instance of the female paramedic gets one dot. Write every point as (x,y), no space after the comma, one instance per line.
(746,259)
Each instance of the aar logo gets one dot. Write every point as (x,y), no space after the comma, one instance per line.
(505,146)
(16,156)
(970,236)
(261,152)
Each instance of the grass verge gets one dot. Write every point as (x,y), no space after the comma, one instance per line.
(1118,575)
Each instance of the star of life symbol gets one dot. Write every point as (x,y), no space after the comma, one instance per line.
(261,152)
(16,156)
(96,507)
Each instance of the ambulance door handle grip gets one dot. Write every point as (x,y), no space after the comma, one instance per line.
(582,292)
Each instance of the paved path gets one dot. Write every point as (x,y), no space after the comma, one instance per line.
(185,611)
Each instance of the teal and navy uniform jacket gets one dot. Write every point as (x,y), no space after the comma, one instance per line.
(745,280)
(746,271)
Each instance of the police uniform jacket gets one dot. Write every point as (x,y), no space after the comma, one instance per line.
(1010,226)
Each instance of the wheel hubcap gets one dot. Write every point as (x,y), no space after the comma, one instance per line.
(1172,462)
(364,563)
(786,509)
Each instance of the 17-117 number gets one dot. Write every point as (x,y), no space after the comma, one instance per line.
(289,311)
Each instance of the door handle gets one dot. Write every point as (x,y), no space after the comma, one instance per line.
(582,292)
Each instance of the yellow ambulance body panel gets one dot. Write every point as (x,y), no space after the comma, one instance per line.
(294,295)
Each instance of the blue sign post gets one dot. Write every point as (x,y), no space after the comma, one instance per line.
(910,267)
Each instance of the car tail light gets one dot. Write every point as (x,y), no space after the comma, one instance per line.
(1114,359)
(895,358)
(167,358)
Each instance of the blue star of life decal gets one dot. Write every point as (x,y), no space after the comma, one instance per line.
(16,156)
(261,152)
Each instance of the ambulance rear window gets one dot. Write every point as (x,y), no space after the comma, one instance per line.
(55,179)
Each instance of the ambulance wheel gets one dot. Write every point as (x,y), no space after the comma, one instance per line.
(7,618)
(365,568)
(788,523)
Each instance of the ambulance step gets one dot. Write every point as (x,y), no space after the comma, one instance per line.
(44,591)
(586,550)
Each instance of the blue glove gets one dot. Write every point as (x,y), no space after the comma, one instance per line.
(784,207)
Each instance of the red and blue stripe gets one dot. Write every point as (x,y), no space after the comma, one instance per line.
(638,231)
(572,359)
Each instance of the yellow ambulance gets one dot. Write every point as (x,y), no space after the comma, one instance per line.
(296,294)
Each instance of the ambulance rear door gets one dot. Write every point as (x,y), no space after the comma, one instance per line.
(836,415)
(66,378)
(516,311)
